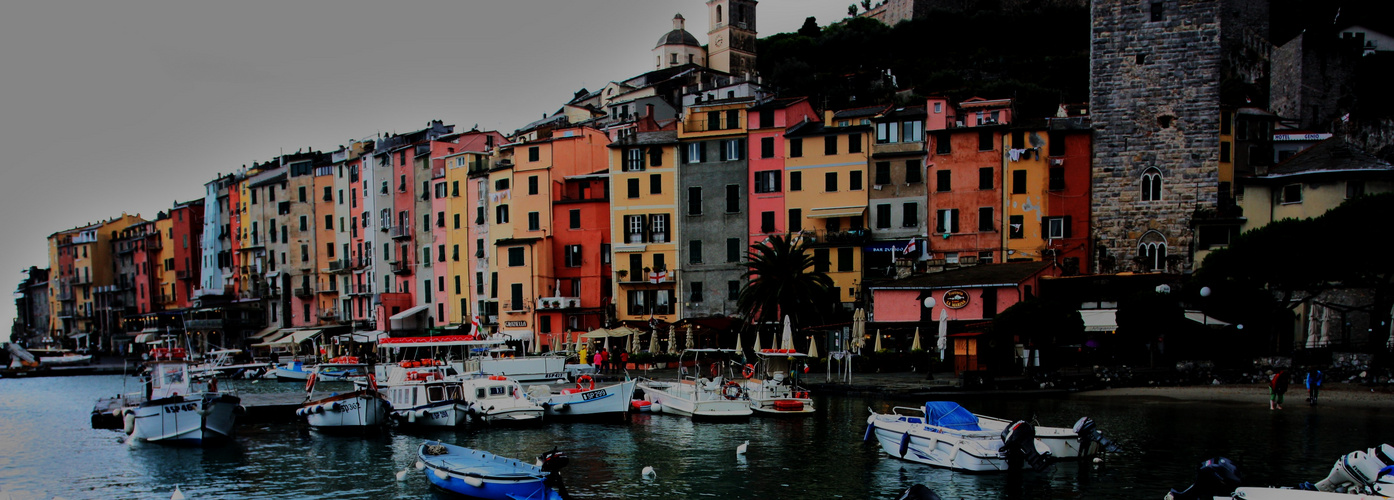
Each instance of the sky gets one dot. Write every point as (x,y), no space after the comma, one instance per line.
(126,106)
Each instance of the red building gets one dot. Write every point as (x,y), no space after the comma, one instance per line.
(187,228)
(581,240)
(767,123)
(1071,165)
(965,190)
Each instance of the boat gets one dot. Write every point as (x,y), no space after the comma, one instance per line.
(496,399)
(360,409)
(340,369)
(1355,476)
(425,392)
(223,363)
(480,474)
(48,356)
(477,354)
(944,434)
(770,386)
(294,370)
(585,400)
(177,408)
(693,395)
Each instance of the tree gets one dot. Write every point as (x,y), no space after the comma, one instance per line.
(866,4)
(1145,319)
(851,10)
(810,27)
(782,280)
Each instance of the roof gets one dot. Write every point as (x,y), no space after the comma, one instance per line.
(983,275)
(678,37)
(778,103)
(647,138)
(1328,156)
(905,112)
(864,112)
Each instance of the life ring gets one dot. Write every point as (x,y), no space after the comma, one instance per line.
(716,369)
(748,371)
(728,392)
(583,380)
(310,383)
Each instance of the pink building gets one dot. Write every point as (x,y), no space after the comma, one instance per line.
(767,124)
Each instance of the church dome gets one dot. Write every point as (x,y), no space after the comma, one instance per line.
(678,36)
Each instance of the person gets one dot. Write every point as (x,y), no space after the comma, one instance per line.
(604,361)
(1313,385)
(599,361)
(1276,387)
(624,360)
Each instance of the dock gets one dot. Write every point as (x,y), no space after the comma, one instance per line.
(261,408)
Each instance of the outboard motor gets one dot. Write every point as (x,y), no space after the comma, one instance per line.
(1358,469)
(1019,443)
(1089,434)
(552,462)
(1384,486)
(1216,477)
(918,492)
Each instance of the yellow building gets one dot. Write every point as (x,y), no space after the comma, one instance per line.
(825,186)
(462,216)
(1024,173)
(643,202)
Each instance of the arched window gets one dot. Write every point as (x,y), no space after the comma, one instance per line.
(1152,251)
(718,13)
(1152,185)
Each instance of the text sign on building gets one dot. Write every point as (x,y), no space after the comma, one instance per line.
(955,299)
(515,324)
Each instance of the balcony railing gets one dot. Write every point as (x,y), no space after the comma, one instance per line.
(558,302)
(360,289)
(185,274)
(328,314)
(398,232)
(304,292)
(837,237)
(322,289)
(82,280)
(401,267)
(340,265)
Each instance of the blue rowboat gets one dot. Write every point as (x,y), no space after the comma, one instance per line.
(480,474)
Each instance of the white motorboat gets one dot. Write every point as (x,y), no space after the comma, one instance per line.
(944,434)
(294,370)
(425,392)
(716,397)
(496,399)
(364,408)
(223,363)
(60,357)
(585,400)
(772,384)
(472,354)
(179,409)
(1356,475)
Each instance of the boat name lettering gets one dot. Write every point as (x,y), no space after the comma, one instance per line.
(350,406)
(179,408)
(592,395)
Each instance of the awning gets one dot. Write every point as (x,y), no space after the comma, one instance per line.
(443,340)
(146,338)
(828,213)
(291,337)
(264,332)
(1202,318)
(1099,320)
(523,335)
(361,337)
(78,335)
(601,333)
(400,319)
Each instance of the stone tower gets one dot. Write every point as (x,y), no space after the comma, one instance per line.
(1156,68)
(731,39)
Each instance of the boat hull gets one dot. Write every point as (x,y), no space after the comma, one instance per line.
(904,438)
(685,398)
(194,420)
(354,410)
(441,414)
(783,406)
(478,474)
(609,400)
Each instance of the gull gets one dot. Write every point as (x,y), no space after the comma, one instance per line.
(401,474)
(740,450)
(178,495)
(648,472)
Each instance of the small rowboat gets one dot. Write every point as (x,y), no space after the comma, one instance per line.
(480,474)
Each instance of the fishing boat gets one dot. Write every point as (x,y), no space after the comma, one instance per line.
(716,396)
(1354,476)
(425,392)
(772,383)
(944,434)
(360,409)
(585,400)
(496,399)
(477,354)
(340,369)
(178,408)
(480,474)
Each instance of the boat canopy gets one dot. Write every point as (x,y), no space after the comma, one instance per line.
(443,340)
(949,414)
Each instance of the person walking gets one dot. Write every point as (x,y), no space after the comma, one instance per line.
(1277,386)
(1313,385)
(599,361)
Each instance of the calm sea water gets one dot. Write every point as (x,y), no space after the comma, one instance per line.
(48,450)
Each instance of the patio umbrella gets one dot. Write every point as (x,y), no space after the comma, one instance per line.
(738,341)
(943,341)
(556,342)
(634,343)
(812,348)
(877,348)
(788,342)
(915,346)
(858,330)
(756,347)
(653,342)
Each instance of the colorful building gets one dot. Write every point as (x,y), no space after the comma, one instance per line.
(965,196)
(826,196)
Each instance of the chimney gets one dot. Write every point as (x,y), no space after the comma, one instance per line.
(827,116)
(648,110)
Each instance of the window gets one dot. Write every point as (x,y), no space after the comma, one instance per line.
(912,172)
(1152,185)
(634,228)
(767,181)
(1355,189)
(733,290)
(887,132)
(767,222)
(658,263)
(733,149)
(532,186)
(854,181)
(796,181)
(633,160)
(1154,256)
(1157,11)
(1056,227)
(696,153)
(830,145)
(985,220)
(457,221)
(733,198)
(515,257)
(910,215)
(796,148)
(694,201)
(830,182)
(1291,193)
(1057,178)
(574,216)
(767,147)
(947,221)
(454,188)
(1226,118)
(985,140)
(515,297)
(655,184)
(534,221)
(501,214)
(883,173)
(854,143)
(766,115)
(632,186)
(658,224)
(1018,182)
(1057,143)
(304,223)
(534,154)
(795,220)
(694,252)
(302,194)
(943,181)
(479,215)
(501,184)
(573,255)
(696,293)
(821,262)
(604,253)
(942,145)
(733,249)
(883,216)
(1016,227)
(912,131)
(1224,151)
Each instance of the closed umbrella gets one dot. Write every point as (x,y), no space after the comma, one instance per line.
(692,342)
(878,342)
(812,348)
(756,348)
(653,342)
(858,330)
(915,346)
(738,341)
(788,342)
(943,341)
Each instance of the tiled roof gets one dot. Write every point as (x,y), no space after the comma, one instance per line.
(979,275)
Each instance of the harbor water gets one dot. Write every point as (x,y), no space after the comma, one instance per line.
(48,450)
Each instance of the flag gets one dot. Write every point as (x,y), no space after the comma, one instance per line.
(910,247)
(658,276)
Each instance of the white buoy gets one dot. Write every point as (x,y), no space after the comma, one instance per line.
(420,465)
(401,474)
(1098,460)
(441,474)
(740,450)
(655,408)
(649,473)
(178,495)
(128,422)
(473,481)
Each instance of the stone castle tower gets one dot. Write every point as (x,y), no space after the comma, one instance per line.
(731,38)
(1156,68)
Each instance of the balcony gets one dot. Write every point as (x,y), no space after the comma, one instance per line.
(330,290)
(164,298)
(304,292)
(360,290)
(82,280)
(361,263)
(65,296)
(204,324)
(340,266)
(401,267)
(154,244)
(823,237)
(186,274)
(328,314)
(65,313)
(556,303)
(399,232)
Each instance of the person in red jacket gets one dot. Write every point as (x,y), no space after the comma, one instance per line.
(1277,385)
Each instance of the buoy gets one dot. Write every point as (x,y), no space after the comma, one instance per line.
(740,450)
(655,408)
(649,473)
(401,474)
(559,407)
(473,481)
(178,495)
(420,465)
(128,422)
(441,474)
(411,418)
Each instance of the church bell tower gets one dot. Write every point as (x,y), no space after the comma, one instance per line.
(731,38)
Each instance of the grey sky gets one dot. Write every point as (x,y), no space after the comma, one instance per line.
(128,105)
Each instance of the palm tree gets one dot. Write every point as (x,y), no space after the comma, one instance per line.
(782,281)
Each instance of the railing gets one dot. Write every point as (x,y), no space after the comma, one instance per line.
(154,244)
(360,289)
(304,292)
(331,289)
(184,275)
(340,265)
(398,232)
(79,279)
(329,314)
(401,267)
(838,237)
(65,296)
(558,302)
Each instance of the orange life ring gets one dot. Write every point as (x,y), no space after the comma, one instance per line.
(726,390)
(582,380)
(310,383)
(748,370)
